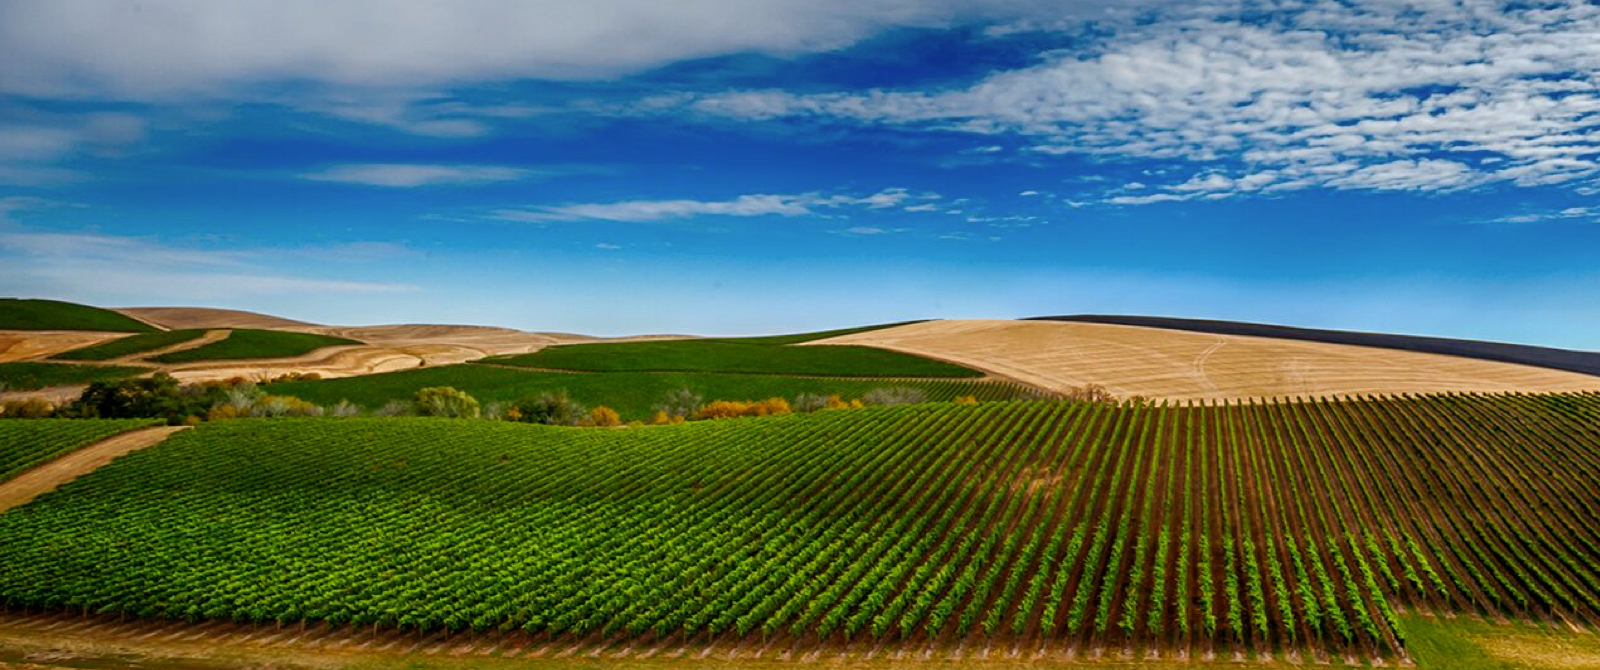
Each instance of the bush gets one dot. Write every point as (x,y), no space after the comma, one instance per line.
(835,402)
(158,396)
(344,409)
(31,408)
(895,395)
(662,418)
(966,400)
(1090,393)
(551,409)
(810,402)
(398,407)
(728,409)
(605,417)
(447,402)
(680,402)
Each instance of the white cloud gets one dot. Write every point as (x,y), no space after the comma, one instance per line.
(1568,214)
(1375,94)
(608,246)
(50,263)
(639,211)
(149,48)
(405,175)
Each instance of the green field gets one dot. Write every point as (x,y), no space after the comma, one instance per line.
(634,394)
(25,443)
(245,343)
(130,345)
(29,376)
(1225,529)
(758,356)
(797,338)
(28,314)
(1474,644)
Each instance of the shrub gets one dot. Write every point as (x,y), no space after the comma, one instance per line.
(1090,393)
(552,409)
(680,402)
(605,417)
(728,409)
(158,396)
(661,418)
(835,402)
(810,402)
(966,400)
(397,407)
(894,395)
(495,411)
(446,401)
(344,409)
(31,408)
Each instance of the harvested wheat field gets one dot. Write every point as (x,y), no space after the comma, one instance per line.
(20,345)
(1161,363)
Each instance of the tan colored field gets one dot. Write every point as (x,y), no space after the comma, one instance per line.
(1175,364)
(179,318)
(19,345)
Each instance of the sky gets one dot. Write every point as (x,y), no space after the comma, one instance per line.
(760,166)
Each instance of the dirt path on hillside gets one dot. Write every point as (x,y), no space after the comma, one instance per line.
(45,478)
(20,345)
(209,337)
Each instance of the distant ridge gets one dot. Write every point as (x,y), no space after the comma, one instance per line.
(1585,362)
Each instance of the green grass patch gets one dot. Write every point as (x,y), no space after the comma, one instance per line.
(633,394)
(25,443)
(29,376)
(29,314)
(741,356)
(130,345)
(1470,644)
(246,343)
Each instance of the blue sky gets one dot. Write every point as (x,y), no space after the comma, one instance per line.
(623,166)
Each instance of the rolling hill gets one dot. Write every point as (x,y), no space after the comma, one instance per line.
(1181,364)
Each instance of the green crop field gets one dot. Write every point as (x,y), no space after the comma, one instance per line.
(742,356)
(28,376)
(25,443)
(130,345)
(27,314)
(1303,527)
(245,343)
(633,394)
(797,338)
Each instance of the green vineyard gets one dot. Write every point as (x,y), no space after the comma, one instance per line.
(25,443)
(1298,528)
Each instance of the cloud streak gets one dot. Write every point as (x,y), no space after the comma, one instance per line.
(753,205)
(1374,95)
(406,175)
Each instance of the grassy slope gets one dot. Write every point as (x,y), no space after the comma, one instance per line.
(631,393)
(740,356)
(26,314)
(25,443)
(1470,644)
(130,345)
(28,376)
(246,343)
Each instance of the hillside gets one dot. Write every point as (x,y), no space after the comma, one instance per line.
(206,318)
(1244,531)
(28,314)
(761,356)
(1586,362)
(1177,364)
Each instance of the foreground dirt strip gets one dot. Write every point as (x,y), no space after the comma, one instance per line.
(67,640)
(45,478)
